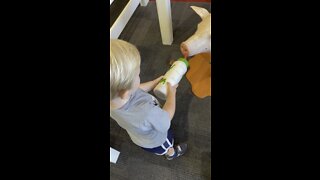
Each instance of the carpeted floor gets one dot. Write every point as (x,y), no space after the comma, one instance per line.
(187,0)
(192,121)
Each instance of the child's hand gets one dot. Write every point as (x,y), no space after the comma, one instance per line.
(156,81)
(148,86)
(171,89)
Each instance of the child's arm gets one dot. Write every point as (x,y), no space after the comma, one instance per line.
(170,105)
(148,86)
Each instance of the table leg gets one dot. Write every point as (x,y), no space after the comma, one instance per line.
(165,21)
(144,2)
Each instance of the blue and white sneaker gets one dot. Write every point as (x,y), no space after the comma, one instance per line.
(179,150)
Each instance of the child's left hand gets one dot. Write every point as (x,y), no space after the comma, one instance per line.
(156,81)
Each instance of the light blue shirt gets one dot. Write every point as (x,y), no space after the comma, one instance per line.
(144,120)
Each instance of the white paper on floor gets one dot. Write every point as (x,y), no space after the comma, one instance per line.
(114,154)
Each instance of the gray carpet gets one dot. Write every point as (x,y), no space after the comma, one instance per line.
(192,120)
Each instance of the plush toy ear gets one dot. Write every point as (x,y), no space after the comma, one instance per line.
(200,11)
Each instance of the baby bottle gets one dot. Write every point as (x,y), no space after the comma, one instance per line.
(173,75)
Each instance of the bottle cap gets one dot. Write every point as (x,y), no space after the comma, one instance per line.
(185,61)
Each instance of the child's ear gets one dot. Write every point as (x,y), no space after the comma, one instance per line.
(123,94)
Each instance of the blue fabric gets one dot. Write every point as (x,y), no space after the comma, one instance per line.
(159,149)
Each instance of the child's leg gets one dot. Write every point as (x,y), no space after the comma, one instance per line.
(176,151)
(170,152)
(168,149)
(171,149)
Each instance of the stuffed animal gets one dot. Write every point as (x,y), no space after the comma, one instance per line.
(200,41)
(199,46)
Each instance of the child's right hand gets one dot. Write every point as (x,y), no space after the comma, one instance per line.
(171,89)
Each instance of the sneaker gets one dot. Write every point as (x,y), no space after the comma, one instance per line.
(179,150)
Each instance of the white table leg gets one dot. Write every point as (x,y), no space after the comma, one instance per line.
(165,21)
(144,2)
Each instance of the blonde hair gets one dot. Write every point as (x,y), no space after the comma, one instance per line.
(124,65)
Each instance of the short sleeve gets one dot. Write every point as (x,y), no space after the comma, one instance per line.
(159,118)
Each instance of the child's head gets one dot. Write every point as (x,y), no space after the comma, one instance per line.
(124,67)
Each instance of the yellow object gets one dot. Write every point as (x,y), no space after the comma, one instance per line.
(199,74)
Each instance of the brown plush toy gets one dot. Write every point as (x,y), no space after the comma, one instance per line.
(199,74)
